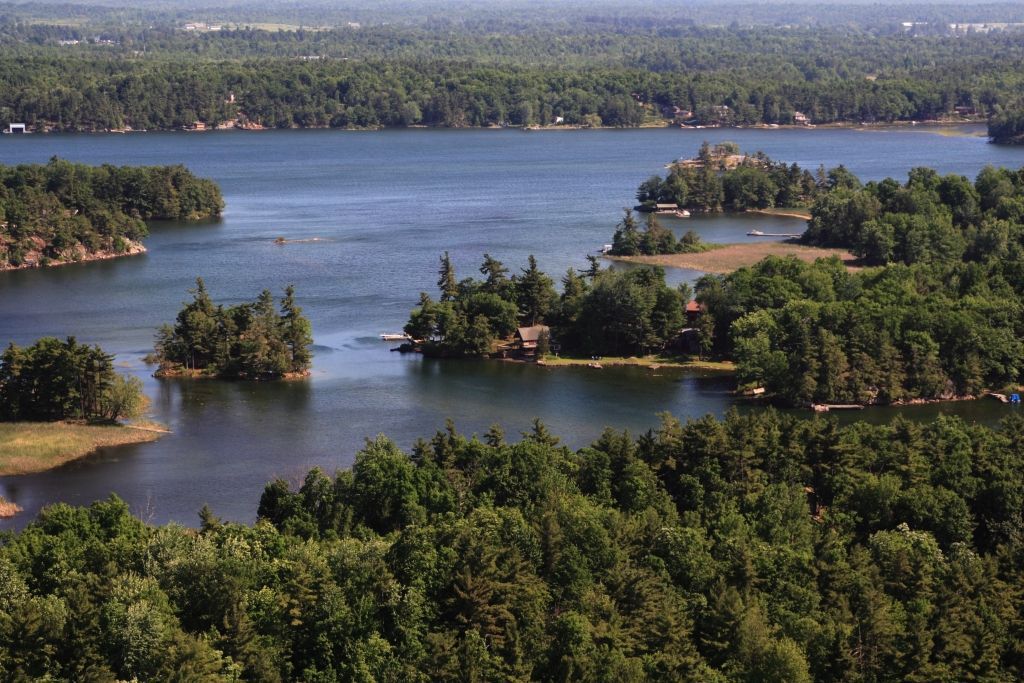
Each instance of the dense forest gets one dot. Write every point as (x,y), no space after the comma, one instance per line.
(246,341)
(928,219)
(815,333)
(597,71)
(55,380)
(939,316)
(599,312)
(758,548)
(513,16)
(1006,127)
(62,211)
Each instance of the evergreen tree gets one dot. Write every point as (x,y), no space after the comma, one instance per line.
(446,281)
(298,333)
(535,293)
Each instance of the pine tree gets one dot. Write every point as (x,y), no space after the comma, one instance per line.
(446,281)
(535,293)
(497,281)
(297,332)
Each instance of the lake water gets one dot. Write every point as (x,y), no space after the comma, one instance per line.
(383,206)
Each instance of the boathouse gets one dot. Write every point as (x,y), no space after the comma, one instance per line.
(15,128)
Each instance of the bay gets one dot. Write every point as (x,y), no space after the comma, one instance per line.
(378,208)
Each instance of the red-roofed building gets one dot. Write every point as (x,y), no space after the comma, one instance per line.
(693,311)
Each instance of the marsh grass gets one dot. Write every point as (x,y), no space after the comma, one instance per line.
(27,447)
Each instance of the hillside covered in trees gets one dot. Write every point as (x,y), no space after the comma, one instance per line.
(61,211)
(246,341)
(758,548)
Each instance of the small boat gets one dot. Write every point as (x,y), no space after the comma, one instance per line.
(606,248)
(682,213)
(594,366)
(393,337)
(755,233)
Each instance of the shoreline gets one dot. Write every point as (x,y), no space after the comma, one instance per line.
(650,362)
(33,447)
(178,372)
(851,125)
(134,249)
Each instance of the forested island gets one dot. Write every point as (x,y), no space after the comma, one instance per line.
(723,178)
(758,548)
(61,212)
(247,341)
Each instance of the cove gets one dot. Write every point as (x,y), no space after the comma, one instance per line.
(383,206)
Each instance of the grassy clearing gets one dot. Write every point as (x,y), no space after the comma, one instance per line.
(784,212)
(730,257)
(653,362)
(27,447)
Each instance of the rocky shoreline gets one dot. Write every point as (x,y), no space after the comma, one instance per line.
(78,254)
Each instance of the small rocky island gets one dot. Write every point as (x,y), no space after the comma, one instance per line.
(61,212)
(249,341)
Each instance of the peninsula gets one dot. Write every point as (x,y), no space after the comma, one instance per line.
(61,400)
(60,212)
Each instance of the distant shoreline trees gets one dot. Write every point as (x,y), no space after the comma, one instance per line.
(247,341)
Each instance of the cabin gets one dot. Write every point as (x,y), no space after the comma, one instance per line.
(16,128)
(527,338)
(693,311)
(666,208)
(676,113)
(198,125)
(801,119)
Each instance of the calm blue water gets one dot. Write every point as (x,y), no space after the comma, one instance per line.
(383,206)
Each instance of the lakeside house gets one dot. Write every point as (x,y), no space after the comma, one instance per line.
(723,161)
(801,119)
(527,338)
(18,128)
(693,311)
